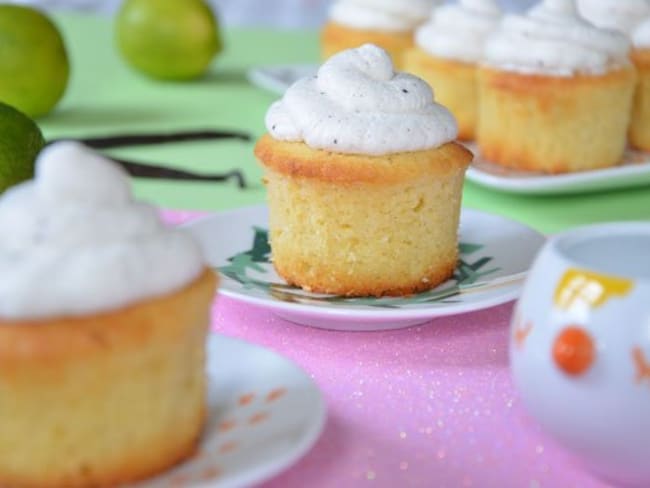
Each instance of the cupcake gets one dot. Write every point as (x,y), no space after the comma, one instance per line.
(640,126)
(103,317)
(387,23)
(446,54)
(364,180)
(555,92)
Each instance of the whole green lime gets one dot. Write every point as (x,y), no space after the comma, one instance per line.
(34,66)
(20,144)
(168,39)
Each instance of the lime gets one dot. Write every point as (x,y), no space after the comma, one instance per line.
(34,65)
(20,143)
(168,39)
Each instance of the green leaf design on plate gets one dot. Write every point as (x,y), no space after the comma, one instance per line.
(258,259)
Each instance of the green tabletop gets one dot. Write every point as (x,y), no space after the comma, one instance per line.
(105,97)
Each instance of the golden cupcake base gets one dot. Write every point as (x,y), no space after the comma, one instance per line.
(358,225)
(554,124)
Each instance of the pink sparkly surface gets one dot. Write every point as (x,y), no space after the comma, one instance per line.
(430,406)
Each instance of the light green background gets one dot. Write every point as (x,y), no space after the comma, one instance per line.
(106,97)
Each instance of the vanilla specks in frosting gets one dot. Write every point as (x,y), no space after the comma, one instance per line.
(382,15)
(358,104)
(458,31)
(73,241)
(620,15)
(553,39)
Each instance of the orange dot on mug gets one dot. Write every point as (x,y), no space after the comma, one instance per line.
(574,351)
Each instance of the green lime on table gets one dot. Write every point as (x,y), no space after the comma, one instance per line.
(168,39)
(34,67)
(20,143)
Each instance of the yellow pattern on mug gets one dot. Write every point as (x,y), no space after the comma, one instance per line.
(579,288)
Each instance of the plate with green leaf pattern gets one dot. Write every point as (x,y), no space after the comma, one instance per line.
(495,254)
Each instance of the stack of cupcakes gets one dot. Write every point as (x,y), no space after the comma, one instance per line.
(546,91)
(554,90)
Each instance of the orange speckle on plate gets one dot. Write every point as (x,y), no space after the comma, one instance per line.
(179,481)
(641,364)
(227,425)
(258,418)
(246,399)
(227,447)
(197,454)
(521,333)
(210,473)
(276,394)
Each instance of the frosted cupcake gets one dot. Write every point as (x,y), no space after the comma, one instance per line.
(389,24)
(640,127)
(364,180)
(555,93)
(103,317)
(446,54)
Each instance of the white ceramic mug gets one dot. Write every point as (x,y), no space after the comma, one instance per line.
(580,347)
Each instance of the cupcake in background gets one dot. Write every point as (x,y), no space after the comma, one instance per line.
(632,18)
(555,92)
(390,24)
(447,50)
(640,126)
(620,15)
(364,180)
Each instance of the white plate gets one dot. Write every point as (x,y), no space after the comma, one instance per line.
(277,78)
(633,171)
(264,413)
(495,255)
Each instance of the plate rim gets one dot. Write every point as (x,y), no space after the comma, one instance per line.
(569,183)
(269,470)
(258,76)
(510,293)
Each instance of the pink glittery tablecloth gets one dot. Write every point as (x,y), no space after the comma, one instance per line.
(430,406)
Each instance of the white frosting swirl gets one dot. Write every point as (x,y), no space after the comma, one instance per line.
(620,15)
(358,104)
(553,39)
(382,15)
(641,35)
(74,242)
(458,31)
